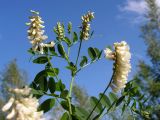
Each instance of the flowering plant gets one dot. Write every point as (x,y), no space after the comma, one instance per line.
(47,82)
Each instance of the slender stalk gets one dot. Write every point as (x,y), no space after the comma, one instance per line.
(101,97)
(79,50)
(71,86)
(72,80)
(53,69)
(87,65)
(68,51)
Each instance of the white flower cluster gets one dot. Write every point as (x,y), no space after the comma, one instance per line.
(36,34)
(23,106)
(59,30)
(85,25)
(122,65)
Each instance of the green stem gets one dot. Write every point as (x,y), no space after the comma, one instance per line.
(72,80)
(79,50)
(87,65)
(100,97)
(71,86)
(68,51)
(70,95)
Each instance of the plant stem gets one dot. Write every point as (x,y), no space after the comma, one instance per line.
(53,69)
(101,97)
(70,95)
(68,51)
(71,86)
(87,65)
(79,50)
(72,80)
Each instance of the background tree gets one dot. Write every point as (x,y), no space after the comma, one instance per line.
(80,96)
(148,75)
(11,77)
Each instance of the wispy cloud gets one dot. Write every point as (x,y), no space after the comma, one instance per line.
(138,7)
(135,9)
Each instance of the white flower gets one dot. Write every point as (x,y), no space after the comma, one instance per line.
(109,54)
(36,32)
(23,106)
(85,25)
(8,105)
(122,65)
(11,114)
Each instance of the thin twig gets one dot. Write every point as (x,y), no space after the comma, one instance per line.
(101,97)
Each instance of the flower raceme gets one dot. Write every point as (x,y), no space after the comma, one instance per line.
(59,30)
(36,33)
(23,106)
(121,55)
(85,25)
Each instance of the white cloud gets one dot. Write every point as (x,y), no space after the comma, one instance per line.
(135,10)
(139,7)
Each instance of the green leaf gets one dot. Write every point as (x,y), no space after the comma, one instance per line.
(33,85)
(45,73)
(41,60)
(98,52)
(60,86)
(98,116)
(52,50)
(65,116)
(52,72)
(134,91)
(45,50)
(81,113)
(43,84)
(75,37)
(105,100)
(83,61)
(113,96)
(52,85)
(68,41)
(134,105)
(94,101)
(31,51)
(123,109)
(111,107)
(61,50)
(92,53)
(47,105)
(72,67)
(64,104)
(120,100)
(37,92)
(64,94)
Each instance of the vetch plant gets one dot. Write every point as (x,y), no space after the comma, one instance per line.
(48,82)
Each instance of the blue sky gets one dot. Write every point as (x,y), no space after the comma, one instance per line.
(113,22)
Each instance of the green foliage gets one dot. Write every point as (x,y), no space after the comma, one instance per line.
(47,105)
(41,60)
(65,116)
(147,76)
